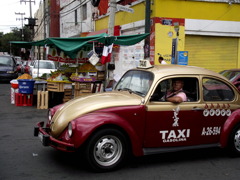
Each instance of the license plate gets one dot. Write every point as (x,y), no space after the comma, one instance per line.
(40,135)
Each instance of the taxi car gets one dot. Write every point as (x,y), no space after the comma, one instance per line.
(134,119)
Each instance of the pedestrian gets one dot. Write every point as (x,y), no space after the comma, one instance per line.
(161,60)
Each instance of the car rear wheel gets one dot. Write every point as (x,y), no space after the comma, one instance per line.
(234,143)
(106,150)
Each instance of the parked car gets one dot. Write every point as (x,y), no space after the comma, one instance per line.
(236,80)
(233,75)
(40,67)
(135,117)
(7,68)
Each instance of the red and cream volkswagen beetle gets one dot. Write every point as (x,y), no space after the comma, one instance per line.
(135,118)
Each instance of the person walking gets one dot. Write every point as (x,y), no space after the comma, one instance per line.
(161,60)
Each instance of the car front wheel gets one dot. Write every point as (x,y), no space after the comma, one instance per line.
(106,150)
(234,143)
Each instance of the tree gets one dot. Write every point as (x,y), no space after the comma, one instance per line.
(14,35)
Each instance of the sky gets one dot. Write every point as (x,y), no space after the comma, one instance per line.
(8,8)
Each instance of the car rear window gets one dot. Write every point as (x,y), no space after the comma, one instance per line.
(215,90)
(6,61)
(45,65)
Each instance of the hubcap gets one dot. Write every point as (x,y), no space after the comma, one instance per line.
(237,140)
(108,150)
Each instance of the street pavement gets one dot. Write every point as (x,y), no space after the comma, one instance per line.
(22,157)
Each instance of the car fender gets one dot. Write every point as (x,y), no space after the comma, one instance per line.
(86,125)
(231,122)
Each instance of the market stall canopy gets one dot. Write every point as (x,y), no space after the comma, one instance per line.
(28,45)
(22,44)
(71,46)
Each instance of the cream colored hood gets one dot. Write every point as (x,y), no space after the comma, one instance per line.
(83,105)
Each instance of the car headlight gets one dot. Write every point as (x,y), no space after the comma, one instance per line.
(10,72)
(70,130)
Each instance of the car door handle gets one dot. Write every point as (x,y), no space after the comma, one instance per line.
(198,109)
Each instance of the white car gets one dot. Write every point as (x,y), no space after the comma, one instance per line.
(40,67)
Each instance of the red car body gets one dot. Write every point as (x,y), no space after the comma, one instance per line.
(109,125)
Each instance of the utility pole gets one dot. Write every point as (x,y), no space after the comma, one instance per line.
(30,5)
(21,19)
(31,21)
(111,22)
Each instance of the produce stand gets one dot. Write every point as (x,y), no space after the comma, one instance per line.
(58,86)
(85,78)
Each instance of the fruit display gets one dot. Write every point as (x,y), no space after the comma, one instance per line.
(82,73)
(25,76)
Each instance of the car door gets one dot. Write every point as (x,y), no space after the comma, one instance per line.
(218,100)
(195,122)
(170,124)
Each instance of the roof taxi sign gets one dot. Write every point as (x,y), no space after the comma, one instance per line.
(144,64)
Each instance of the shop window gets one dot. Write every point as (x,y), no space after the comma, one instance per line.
(215,90)
(76,20)
(84,12)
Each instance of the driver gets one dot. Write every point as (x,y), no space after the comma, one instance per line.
(176,94)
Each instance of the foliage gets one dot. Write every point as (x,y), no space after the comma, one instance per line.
(14,35)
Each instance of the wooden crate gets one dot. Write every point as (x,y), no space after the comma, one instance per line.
(81,93)
(42,100)
(55,86)
(83,86)
(67,95)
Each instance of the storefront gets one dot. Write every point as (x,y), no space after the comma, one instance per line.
(212,52)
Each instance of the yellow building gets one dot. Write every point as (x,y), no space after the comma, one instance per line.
(208,29)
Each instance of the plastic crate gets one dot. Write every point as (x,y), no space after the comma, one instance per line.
(23,99)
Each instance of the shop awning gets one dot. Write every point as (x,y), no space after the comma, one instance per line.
(22,44)
(71,46)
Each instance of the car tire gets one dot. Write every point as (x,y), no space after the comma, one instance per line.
(234,141)
(106,150)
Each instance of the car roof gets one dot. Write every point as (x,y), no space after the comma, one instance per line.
(168,70)
(236,69)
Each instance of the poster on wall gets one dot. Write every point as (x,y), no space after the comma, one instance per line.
(182,57)
(128,58)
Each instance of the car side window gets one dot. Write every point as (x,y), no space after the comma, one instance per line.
(215,90)
(190,88)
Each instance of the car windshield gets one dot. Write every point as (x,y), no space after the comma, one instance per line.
(6,61)
(45,65)
(135,81)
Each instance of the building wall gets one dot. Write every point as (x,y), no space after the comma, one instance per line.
(122,18)
(68,26)
(54,8)
(191,9)
(39,31)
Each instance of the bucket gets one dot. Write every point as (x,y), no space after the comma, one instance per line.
(14,83)
(26,86)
